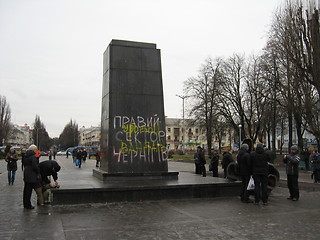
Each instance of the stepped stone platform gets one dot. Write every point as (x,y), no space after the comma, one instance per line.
(80,186)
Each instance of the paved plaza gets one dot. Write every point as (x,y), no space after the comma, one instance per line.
(206,218)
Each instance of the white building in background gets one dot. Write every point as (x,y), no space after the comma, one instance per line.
(183,134)
(90,136)
(20,135)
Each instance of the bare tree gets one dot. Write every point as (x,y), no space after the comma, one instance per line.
(5,119)
(295,40)
(231,95)
(204,91)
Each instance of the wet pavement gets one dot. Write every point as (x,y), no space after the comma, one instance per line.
(205,218)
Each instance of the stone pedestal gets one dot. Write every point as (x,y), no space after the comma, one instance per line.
(133,137)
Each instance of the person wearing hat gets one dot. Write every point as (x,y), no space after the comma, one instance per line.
(31,178)
(12,166)
(292,170)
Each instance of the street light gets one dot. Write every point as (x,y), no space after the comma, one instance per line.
(240,126)
(182,97)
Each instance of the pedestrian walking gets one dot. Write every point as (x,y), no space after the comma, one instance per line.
(50,153)
(315,164)
(292,170)
(31,177)
(260,171)
(54,154)
(245,171)
(79,156)
(84,155)
(98,164)
(11,159)
(306,155)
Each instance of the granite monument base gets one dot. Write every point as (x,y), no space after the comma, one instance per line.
(105,176)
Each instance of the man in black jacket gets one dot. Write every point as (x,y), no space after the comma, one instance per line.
(31,177)
(200,161)
(292,165)
(260,171)
(49,168)
(214,162)
(244,163)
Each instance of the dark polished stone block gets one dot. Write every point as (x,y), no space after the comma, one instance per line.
(133,138)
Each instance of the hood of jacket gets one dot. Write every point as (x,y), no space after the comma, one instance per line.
(30,153)
(259,149)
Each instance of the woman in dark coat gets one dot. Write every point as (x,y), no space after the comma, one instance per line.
(11,159)
(31,177)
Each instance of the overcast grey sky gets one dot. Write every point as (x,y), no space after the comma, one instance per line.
(51,51)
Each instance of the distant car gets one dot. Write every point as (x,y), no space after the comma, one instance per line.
(62,153)
(43,153)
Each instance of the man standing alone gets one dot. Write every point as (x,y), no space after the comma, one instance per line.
(292,165)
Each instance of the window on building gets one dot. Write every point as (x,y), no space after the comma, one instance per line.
(169,129)
(169,137)
(197,130)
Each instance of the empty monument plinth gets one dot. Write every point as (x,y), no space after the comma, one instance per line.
(133,137)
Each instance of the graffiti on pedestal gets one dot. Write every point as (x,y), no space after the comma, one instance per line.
(138,139)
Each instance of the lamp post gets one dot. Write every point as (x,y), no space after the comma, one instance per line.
(240,126)
(183,123)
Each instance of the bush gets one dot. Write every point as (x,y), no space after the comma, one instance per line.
(170,154)
(180,152)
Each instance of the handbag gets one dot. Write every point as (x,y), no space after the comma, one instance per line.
(77,162)
(251,185)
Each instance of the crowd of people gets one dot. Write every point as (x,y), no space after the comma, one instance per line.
(253,165)
(79,156)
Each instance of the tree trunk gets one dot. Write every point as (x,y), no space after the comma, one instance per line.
(290,127)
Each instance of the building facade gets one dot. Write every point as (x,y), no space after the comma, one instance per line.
(90,136)
(20,136)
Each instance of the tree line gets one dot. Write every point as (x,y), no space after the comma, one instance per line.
(68,138)
(277,91)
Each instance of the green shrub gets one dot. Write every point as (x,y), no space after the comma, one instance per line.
(180,152)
